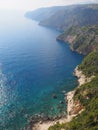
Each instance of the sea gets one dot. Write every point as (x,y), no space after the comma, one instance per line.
(35,70)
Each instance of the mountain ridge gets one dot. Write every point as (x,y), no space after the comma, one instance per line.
(63,17)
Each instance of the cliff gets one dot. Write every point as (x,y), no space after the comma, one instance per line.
(79,24)
(81,39)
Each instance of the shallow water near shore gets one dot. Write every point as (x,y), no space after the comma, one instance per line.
(33,68)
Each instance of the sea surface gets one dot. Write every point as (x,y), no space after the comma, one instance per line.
(34,68)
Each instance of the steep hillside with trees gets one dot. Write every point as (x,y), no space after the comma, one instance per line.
(81,39)
(87,95)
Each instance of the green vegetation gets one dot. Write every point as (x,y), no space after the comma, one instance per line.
(85,41)
(87,95)
(89,65)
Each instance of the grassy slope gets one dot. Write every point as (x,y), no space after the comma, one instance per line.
(87,94)
(89,65)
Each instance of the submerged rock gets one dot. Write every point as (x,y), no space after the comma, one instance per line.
(61,102)
(54,96)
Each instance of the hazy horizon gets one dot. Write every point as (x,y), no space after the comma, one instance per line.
(31,5)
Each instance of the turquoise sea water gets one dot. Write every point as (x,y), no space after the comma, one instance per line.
(33,67)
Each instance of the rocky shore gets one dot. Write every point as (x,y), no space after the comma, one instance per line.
(41,122)
(81,77)
(73,107)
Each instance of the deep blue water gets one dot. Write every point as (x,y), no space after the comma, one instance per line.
(33,67)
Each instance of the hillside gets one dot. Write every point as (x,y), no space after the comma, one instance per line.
(81,39)
(89,66)
(43,13)
(63,17)
(87,95)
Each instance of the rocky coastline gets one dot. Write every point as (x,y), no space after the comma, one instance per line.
(82,79)
(40,122)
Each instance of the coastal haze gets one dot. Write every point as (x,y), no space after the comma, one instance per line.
(31,4)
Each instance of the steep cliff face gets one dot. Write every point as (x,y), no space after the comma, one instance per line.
(63,17)
(81,39)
